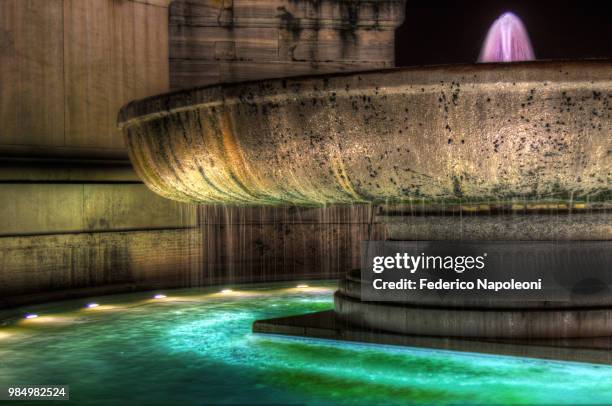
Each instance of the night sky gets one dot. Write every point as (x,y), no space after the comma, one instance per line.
(452,31)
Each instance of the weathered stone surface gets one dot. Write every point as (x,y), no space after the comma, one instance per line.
(39,265)
(531,131)
(102,35)
(66,187)
(67,66)
(52,208)
(31,208)
(579,225)
(31,66)
(285,215)
(483,323)
(280,251)
(214,41)
(54,171)
(59,266)
(575,299)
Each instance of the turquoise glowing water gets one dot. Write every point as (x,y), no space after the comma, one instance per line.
(196,347)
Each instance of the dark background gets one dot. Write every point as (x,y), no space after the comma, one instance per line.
(452,31)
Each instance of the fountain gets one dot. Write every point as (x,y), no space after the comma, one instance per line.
(519,153)
(507,41)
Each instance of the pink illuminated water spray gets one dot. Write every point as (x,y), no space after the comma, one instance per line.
(507,41)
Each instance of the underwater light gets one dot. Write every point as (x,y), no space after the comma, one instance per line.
(160,296)
(302,286)
(31,316)
(227,291)
(92,305)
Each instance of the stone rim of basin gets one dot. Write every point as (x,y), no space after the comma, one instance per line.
(473,157)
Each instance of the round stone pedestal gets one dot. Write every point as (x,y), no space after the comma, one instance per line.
(460,321)
(583,310)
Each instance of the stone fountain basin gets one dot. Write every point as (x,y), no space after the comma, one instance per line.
(534,130)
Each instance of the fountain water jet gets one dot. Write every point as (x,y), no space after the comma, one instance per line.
(507,41)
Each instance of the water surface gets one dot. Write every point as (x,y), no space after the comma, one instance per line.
(196,346)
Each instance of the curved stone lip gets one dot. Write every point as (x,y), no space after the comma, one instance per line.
(187,99)
(311,140)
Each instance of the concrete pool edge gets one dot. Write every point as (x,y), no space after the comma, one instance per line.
(324,325)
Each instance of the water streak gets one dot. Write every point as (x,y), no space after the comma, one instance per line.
(507,41)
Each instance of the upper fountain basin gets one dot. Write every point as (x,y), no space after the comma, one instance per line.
(534,130)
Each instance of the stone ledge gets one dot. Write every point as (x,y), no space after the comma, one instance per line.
(61,171)
(61,152)
(41,265)
(324,325)
(578,225)
(53,208)
(353,14)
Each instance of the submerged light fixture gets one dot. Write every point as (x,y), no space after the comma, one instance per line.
(507,41)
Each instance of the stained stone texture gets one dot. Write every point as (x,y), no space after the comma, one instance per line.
(55,208)
(59,266)
(67,66)
(483,323)
(489,132)
(216,41)
(280,243)
(74,217)
(579,225)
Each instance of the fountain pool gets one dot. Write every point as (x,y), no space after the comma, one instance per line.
(196,346)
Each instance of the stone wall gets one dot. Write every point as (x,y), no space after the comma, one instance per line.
(214,41)
(73,215)
(74,218)
(67,66)
(290,242)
